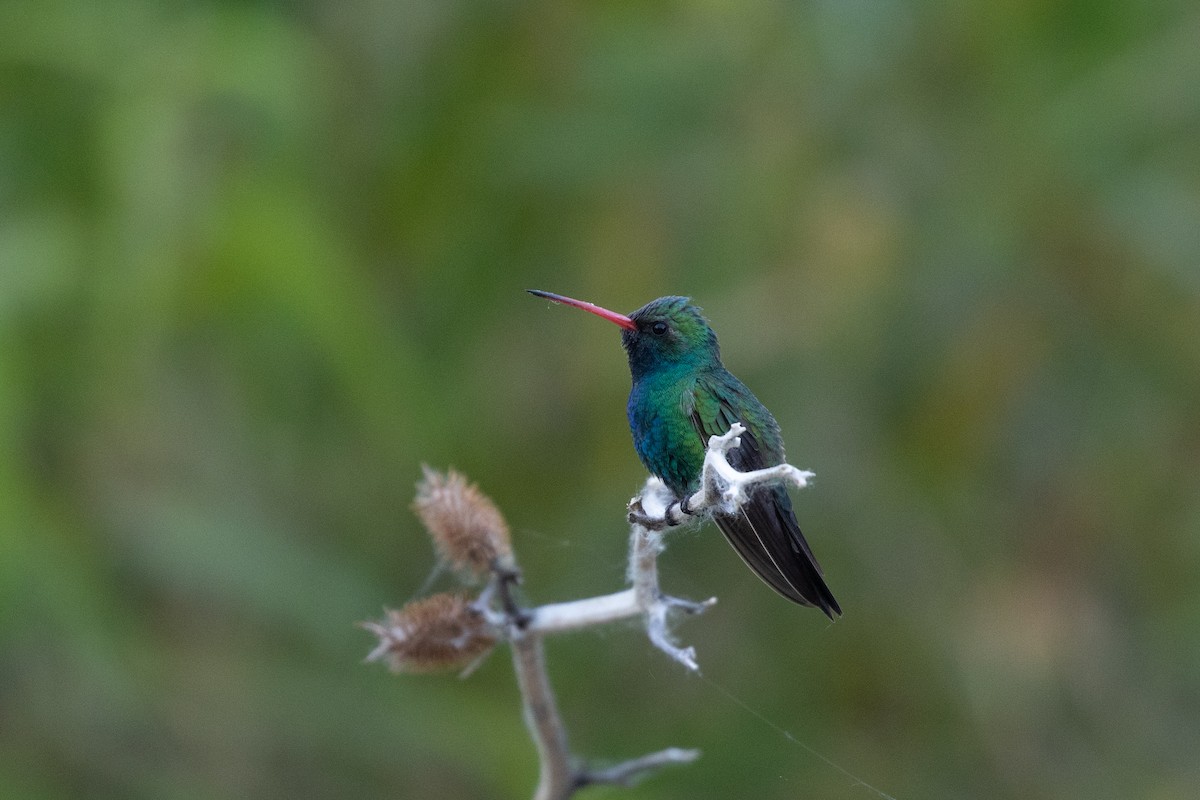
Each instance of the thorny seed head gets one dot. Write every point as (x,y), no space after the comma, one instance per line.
(467,529)
(443,631)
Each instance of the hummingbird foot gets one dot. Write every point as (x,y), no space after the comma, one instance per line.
(656,508)
(677,514)
(673,515)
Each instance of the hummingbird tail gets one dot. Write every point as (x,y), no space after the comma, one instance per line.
(768,538)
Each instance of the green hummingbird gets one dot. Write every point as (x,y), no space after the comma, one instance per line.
(682,394)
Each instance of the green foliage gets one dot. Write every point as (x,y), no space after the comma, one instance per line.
(258,261)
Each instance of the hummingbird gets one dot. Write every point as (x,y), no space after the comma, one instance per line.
(681,395)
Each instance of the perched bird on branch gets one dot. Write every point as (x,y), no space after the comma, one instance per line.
(682,394)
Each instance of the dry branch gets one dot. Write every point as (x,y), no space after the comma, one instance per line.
(471,534)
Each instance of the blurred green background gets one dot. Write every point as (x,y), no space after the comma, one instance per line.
(260,260)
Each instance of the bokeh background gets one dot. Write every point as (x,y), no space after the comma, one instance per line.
(260,260)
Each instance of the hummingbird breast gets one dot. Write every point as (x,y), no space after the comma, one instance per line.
(663,435)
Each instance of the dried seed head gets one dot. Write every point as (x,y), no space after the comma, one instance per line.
(443,631)
(468,530)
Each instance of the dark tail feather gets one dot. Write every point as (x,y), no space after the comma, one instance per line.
(768,538)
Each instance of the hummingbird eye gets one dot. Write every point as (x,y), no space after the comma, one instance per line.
(658,328)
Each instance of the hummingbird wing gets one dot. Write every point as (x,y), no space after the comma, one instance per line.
(765,532)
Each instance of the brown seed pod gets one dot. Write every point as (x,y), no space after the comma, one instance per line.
(467,529)
(443,631)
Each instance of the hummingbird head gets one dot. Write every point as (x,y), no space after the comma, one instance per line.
(667,332)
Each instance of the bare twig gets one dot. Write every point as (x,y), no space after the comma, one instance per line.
(557,779)
(628,772)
